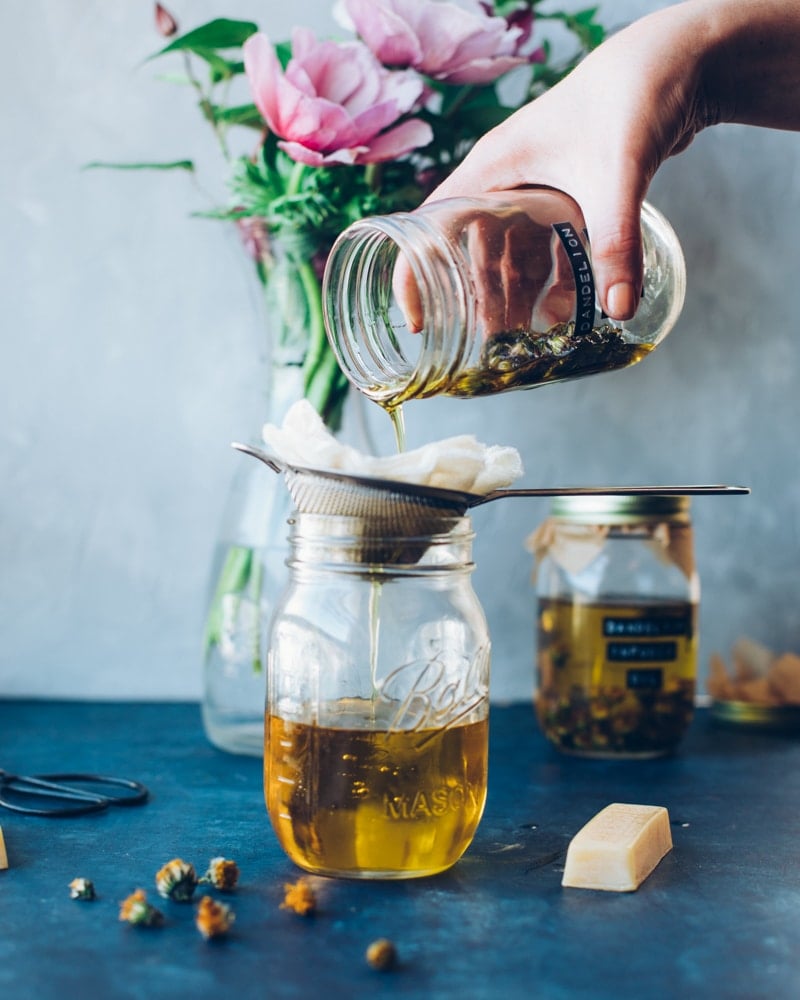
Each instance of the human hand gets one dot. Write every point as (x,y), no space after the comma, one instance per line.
(600,135)
(640,97)
(517,273)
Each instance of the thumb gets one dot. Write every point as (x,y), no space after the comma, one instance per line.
(615,236)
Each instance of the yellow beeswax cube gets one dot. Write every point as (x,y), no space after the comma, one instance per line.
(618,848)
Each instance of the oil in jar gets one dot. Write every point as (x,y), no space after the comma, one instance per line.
(374,803)
(616,678)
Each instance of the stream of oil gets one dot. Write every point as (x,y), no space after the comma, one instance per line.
(398,425)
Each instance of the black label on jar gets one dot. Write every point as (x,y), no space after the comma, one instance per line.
(645,628)
(649,679)
(582,272)
(641,652)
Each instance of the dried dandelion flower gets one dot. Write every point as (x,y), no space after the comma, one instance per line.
(81,888)
(299,898)
(213,919)
(136,910)
(222,874)
(177,880)
(382,954)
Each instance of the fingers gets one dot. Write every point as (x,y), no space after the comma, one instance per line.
(406,292)
(616,243)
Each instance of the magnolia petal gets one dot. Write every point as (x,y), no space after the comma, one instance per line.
(333,100)
(461,43)
(409,135)
(313,158)
(263,71)
(482,70)
(388,33)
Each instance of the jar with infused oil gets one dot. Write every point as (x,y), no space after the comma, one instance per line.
(376,731)
(474,296)
(617,614)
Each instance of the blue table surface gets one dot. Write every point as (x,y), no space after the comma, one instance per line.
(719,917)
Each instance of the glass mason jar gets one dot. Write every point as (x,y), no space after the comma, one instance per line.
(618,597)
(499,291)
(376,729)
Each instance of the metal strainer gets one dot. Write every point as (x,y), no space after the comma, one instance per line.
(409,510)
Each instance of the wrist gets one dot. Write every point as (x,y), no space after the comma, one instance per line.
(750,62)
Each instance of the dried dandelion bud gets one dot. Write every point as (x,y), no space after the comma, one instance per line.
(136,910)
(381,954)
(213,919)
(299,898)
(222,874)
(166,24)
(81,888)
(177,880)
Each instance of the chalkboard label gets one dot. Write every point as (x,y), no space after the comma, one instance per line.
(645,680)
(645,627)
(582,272)
(641,652)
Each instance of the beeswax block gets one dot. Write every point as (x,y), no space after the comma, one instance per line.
(3,855)
(618,848)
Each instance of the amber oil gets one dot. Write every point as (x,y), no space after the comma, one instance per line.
(370,803)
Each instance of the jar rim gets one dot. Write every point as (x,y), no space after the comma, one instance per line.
(622,508)
(325,540)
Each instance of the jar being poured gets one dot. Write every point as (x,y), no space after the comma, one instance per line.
(473,296)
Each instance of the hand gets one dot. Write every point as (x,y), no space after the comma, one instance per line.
(519,276)
(642,96)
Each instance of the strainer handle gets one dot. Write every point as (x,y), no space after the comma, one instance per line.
(606,491)
(260,454)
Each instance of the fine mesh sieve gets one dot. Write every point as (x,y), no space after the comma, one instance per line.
(391,509)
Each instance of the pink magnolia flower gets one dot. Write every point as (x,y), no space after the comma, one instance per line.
(335,103)
(457,43)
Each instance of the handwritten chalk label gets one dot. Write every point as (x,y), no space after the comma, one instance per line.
(650,679)
(641,652)
(646,627)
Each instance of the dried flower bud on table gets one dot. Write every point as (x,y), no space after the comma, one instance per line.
(299,898)
(177,880)
(137,911)
(213,919)
(82,888)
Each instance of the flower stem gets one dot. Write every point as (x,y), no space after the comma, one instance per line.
(317,341)
(296,178)
(324,383)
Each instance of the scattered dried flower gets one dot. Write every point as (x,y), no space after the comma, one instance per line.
(299,898)
(81,888)
(382,954)
(136,910)
(222,873)
(177,880)
(213,919)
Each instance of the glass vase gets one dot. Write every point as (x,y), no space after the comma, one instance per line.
(248,569)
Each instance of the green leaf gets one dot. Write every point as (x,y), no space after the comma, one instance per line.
(171,165)
(484,119)
(241,114)
(221,33)
(221,69)
(226,70)
(283,50)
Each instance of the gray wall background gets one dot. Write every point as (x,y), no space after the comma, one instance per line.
(129,364)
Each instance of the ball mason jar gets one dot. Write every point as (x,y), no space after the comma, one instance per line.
(618,597)
(376,728)
(472,296)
